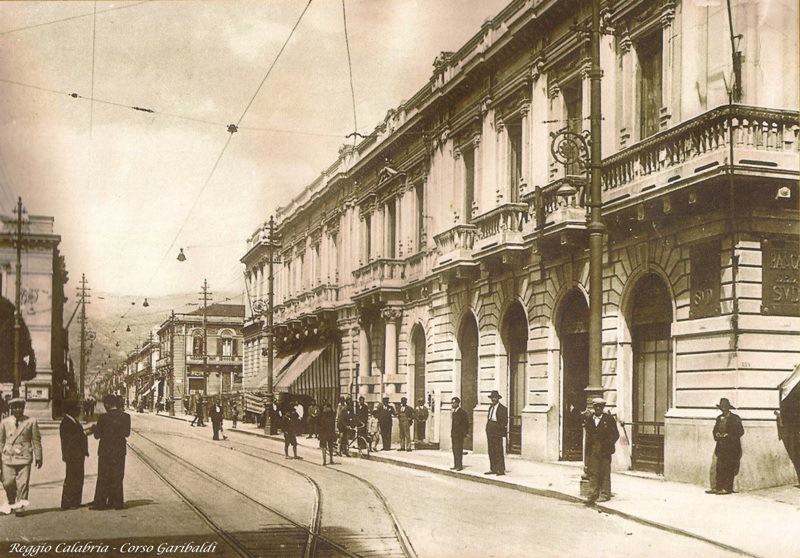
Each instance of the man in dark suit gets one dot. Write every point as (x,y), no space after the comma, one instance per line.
(198,413)
(728,432)
(459,426)
(601,436)
(74,451)
(361,419)
(385,413)
(496,429)
(112,428)
(215,414)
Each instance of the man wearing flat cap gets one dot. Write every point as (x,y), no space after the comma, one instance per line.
(728,432)
(601,438)
(496,429)
(21,445)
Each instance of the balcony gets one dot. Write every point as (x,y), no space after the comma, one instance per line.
(326,296)
(215,359)
(419,266)
(765,144)
(382,276)
(560,209)
(455,250)
(500,231)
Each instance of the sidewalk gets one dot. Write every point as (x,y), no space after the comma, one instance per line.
(761,523)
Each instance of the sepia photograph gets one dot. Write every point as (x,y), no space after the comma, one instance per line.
(399,278)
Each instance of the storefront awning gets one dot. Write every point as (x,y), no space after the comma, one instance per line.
(279,364)
(789,384)
(300,364)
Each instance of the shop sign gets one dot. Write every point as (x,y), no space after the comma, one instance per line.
(780,277)
(705,280)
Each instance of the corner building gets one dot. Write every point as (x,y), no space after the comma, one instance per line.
(447,254)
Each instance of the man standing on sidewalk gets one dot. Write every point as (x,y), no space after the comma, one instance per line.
(21,445)
(385,414)
(198,413)
(74,451)
(601,437)
(420,418)
(728,432)
(111,429)
(459,426)
(405,417)
(496,428)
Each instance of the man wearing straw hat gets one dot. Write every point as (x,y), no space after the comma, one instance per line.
(21,445)
(728,432)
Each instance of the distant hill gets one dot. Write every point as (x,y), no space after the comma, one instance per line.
(110,315)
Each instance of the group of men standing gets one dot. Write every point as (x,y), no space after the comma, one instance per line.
(21,445)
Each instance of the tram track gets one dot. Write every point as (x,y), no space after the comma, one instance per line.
(405,549)
(315,544)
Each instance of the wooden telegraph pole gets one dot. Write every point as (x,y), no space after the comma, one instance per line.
(204,294)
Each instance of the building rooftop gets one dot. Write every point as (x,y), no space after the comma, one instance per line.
(221,310)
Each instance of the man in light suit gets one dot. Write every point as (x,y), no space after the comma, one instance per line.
(74,451)
(21,445)
(496,429)
(111,429)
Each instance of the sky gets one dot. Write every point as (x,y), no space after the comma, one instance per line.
(128,188)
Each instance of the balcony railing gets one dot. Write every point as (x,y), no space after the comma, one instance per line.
(382,273)
(560,204)
(214,359)
(455,245)
(763,138)
(501,228)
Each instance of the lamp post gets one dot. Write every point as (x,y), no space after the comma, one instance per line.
(595,226)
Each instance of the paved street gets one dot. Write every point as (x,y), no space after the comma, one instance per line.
(243,495)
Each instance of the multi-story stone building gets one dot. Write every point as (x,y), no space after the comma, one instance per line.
(143,384)
(44,343)
(194,359)
(446,254)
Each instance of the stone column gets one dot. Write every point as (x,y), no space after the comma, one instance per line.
(503,191)
(667,66)
(557,121)
(628,91)
(363,350)
(524,113)
(390,317)
(458,189)
(478,177)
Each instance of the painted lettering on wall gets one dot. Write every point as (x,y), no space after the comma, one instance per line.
(781,277)
(705,280)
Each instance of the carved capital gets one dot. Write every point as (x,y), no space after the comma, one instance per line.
(537,68)
(625,43)
(390,314)
(476,141)
(486,105)
(554,90)
(525,109)
(456,153)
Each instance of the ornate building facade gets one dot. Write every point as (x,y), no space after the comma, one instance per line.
(44,343)
(197,360)
(446,254)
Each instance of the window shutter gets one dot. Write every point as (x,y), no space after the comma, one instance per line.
(219,346)
(235,347)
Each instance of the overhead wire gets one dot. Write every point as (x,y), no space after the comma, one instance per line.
(350,72)
(54,21)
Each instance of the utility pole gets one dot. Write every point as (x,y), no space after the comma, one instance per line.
(205,293)
(269,324)
(170,366)
(83,294)
(596,227)
(18,305)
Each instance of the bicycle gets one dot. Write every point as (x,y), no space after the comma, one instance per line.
(360,442)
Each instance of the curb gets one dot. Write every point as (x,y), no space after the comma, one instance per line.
(554,494)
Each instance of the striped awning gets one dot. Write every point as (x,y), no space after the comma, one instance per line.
(279,365)
(296,368)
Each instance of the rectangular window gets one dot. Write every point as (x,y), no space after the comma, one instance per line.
(227,347)
(514,159)
(367,238)
(649,52)
(469,182)
(420,196)
(197,346)
(573,105)
(391,223)
(317,266)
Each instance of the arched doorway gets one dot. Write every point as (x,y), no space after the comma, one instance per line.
(515,338)
(418,347)
(468,348)
(573,335)
(650,325)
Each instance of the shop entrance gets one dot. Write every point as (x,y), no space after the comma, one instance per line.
(573,333)
(468,347)
(515,339)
